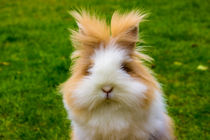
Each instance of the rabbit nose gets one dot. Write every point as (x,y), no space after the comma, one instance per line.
(107,89)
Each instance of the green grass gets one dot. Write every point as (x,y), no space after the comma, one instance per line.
(34,60)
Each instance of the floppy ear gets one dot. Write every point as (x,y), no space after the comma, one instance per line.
(124,28)
(92,30)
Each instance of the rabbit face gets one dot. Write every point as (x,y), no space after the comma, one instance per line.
(108,80)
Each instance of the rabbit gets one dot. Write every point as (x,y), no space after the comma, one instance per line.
(111,94)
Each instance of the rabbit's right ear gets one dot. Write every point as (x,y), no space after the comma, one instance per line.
(92,30)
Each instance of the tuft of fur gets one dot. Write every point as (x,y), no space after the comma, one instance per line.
(107,55)
(92,30)
(120,23)
(124,27)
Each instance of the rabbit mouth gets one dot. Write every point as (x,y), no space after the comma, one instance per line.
(108,96)
(109,102)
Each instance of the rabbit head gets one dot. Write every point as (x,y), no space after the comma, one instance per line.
(108,71)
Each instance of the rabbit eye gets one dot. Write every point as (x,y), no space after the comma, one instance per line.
(87,70)
(125,68)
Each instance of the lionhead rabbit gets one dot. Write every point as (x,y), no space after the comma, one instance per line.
(111,95)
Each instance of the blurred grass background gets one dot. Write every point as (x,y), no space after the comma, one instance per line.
(34,60)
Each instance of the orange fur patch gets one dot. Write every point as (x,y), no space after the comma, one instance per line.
(92,30)
(170,127)
(122,22)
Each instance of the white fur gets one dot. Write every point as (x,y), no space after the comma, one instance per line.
(121,117)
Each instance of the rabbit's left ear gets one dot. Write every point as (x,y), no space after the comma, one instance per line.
(124,28)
